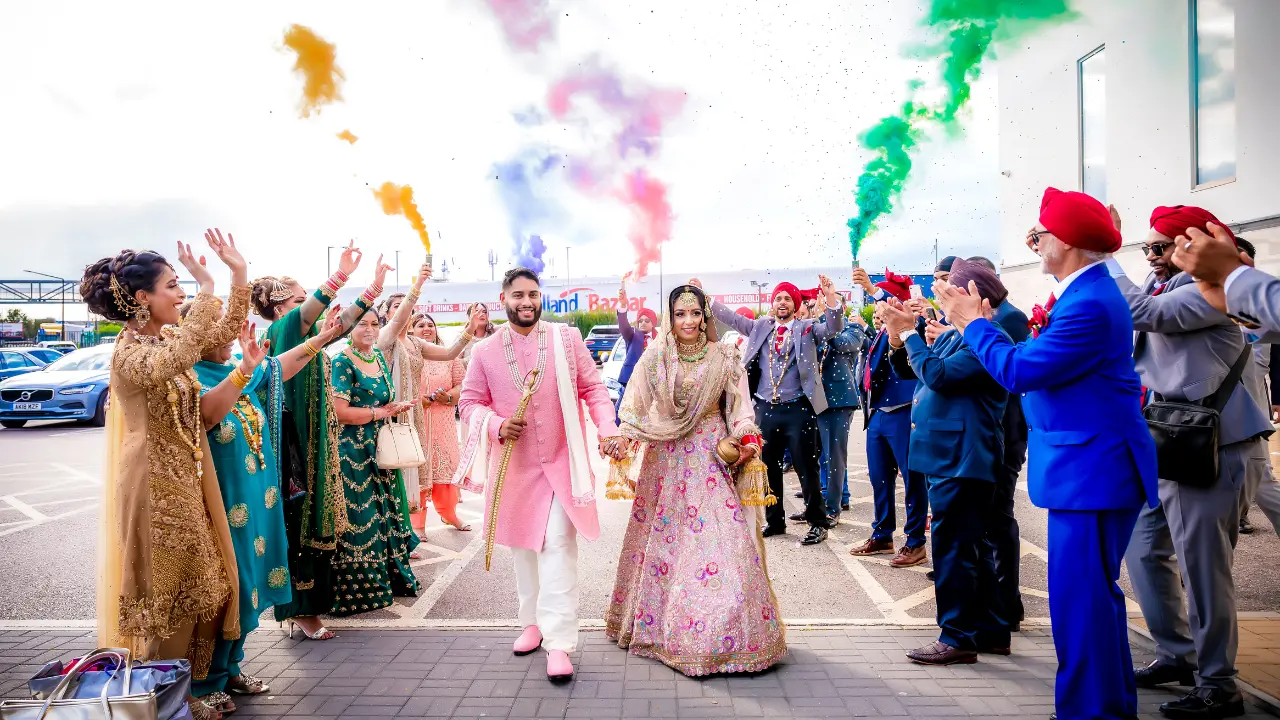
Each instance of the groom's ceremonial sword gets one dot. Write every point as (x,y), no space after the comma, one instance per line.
(491,529)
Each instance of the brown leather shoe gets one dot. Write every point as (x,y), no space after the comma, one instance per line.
(940,653)
(873,547)
(909,557)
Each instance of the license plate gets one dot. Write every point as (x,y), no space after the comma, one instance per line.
(26,406)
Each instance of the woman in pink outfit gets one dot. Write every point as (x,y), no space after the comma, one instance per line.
(441,384)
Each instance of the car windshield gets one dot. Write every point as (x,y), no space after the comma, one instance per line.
(45,355)
(82,360)
(605,330)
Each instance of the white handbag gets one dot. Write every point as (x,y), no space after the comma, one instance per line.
(125,706)
(398,446)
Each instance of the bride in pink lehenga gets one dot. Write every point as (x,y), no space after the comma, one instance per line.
(693,587)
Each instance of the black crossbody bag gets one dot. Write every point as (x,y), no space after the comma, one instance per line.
(1186,433)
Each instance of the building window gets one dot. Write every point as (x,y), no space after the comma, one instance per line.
(1093,124)
(1213,90)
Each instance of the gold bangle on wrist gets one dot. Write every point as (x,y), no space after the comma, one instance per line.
(239,379)
(466,336)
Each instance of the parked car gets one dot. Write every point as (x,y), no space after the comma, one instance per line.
(108,340)
(613,368)
(19,361)
(600,341)
(73,387)
(62,346)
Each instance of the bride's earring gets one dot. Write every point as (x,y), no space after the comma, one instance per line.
(143,315)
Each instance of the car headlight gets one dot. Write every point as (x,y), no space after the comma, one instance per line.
(76,390)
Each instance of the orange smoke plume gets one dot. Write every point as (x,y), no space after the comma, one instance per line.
(316,63)
(348,136)
(398,200)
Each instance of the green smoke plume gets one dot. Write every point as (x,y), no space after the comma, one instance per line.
(966,31)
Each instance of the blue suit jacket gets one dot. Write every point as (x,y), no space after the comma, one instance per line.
(1014,322)
(957,412)
(888,388)
(837,359)
(1088,446)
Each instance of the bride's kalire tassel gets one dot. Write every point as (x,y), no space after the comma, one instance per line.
(620,486)
(753,485)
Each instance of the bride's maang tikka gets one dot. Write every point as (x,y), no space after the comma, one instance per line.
(688,299)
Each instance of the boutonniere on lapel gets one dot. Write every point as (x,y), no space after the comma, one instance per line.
(1039,320)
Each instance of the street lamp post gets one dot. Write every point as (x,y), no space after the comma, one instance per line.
(62,298)
(397,271)
(760,288)
(493,263)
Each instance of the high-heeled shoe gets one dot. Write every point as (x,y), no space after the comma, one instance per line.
(323,633)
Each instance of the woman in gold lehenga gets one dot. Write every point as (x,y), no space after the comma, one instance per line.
(692,588)
(167,575)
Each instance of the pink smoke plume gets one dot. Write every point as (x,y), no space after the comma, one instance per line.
(526,24)
(650,217)
(641,113)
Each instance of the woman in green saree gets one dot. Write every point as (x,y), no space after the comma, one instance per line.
(241,408)
(308,456)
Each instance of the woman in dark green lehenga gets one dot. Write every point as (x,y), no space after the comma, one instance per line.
(311,481)
(371,563)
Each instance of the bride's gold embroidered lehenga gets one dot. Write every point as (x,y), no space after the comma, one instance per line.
(692,588)
(167,577)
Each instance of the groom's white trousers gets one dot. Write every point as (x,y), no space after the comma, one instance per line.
(547,583)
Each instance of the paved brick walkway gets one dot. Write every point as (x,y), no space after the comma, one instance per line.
(858,671)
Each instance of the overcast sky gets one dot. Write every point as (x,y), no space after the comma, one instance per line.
(137,124)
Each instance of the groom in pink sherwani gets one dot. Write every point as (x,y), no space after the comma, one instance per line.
(548,495)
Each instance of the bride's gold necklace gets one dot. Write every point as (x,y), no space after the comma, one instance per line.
(693,352)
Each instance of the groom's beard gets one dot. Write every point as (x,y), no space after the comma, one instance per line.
(513,316)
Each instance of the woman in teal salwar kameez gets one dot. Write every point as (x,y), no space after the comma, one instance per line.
(241,406)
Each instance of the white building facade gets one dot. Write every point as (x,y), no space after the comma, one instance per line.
(1143,103)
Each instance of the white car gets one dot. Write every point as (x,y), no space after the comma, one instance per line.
(613,368)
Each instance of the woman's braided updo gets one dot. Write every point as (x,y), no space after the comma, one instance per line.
(132,271)
(260,295)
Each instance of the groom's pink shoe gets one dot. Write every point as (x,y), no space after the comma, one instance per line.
(529,640)
(558,666)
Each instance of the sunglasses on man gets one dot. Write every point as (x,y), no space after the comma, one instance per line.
(1156,250)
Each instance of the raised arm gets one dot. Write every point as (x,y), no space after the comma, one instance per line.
(396,323)
(1065,351)
(624,325)
(948,374)
(1182,309)
(591,389)
(1254,297)
(315,305)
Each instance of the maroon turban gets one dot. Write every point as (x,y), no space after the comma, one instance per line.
(746,312)
(788,288)
(1174,221)
(646,312)
(989,285)
(1079,221)
(896,285)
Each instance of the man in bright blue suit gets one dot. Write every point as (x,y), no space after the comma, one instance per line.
(1091,461)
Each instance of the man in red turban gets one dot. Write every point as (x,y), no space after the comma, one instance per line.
(896,285)
(1168,223)
(1091,459)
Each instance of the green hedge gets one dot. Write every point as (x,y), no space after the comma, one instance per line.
(584,320)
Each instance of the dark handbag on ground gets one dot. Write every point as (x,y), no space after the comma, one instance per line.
(80,695)
(1186,433)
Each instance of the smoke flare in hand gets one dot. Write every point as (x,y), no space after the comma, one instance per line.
(348,136)
(317,63)
(398,200)
(968,29)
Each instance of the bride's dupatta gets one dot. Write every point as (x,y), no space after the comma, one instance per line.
(654,412)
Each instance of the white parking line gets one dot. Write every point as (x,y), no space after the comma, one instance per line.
(77,473)
(24,508)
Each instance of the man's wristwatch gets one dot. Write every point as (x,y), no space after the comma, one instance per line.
(902,336)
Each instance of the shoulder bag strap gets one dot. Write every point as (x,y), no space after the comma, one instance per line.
(1219,399)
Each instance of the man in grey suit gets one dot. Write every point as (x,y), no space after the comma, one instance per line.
(1184,350)
(790,395)
(1260,482)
